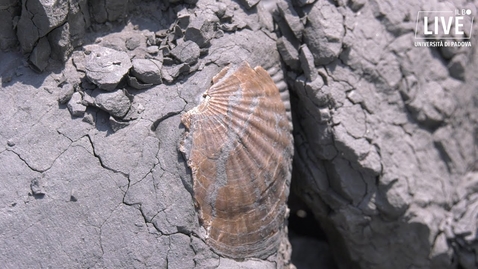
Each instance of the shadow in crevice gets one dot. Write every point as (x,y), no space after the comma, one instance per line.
(310,247)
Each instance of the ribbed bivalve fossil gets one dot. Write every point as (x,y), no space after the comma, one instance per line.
(239,147)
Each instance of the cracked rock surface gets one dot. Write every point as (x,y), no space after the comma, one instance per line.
(385,132)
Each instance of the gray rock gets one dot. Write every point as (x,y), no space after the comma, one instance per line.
(170,73)
(37,188)
(324,32)
(148,71)
(134,112)
(78,58)
(109,10)
(60,42)
(8,10)
(288,52)
(65,94)
(79,20)
(291,17)
(188,52)
(106,67)
(181,254)
(116,103)
(153,50)
(307,63)
(41,16)
(75,105)
(133,42)
(41,54)
(389,174)
(201,29)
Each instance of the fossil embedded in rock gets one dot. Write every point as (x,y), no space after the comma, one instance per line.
(239,147)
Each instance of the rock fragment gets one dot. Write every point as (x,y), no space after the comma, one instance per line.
(288,52)
(307,63)
(153,50)
(133,42)
(116,102)
(109,10)
(79,21)
(75,105)
(37,188)
(8,10)
(324,32)
(66,93)
(169,73)
(37,19)
(106,67)
(201,29)
(147,71)
(291,17)
(187,52)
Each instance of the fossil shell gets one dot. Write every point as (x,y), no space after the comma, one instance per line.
(239,147)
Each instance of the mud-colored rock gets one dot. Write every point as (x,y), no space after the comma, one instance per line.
(65,94)
(38,19)
(148,71)
(75,105)
(201,29)
(324,32)
(8,10)
(60,42)
(40,55)
(116,103)
(106,67)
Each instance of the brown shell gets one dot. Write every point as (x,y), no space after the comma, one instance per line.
(239,147)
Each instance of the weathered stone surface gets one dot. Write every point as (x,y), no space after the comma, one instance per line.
(41,54)
(291,17)
(375,155)
(65,94)
(8,10)
(385,134)
(79,20)
(187,52)
(75,105)
(170,73)
(108,10)
(106,67)
(324,31)
(60,42)
(116,102)
(37,19)
(201,29)
(147,71)
(307,63)
(289,52)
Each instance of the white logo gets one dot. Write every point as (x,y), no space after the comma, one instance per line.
(444,28)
